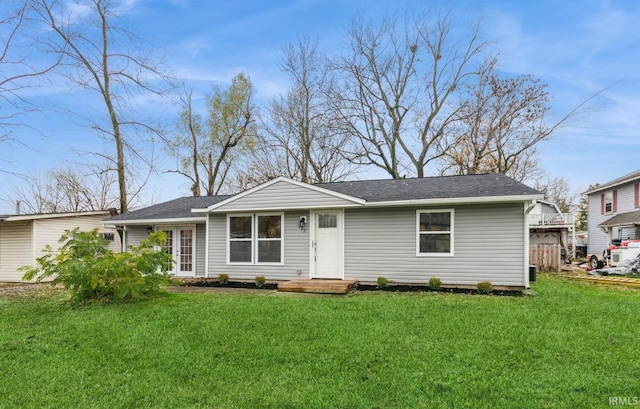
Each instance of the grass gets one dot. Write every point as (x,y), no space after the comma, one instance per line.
(571,345)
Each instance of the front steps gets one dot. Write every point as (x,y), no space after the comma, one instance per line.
(317,286)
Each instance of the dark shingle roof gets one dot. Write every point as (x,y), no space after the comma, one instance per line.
(386,190)
(383,190)
(174,209)
(622,219)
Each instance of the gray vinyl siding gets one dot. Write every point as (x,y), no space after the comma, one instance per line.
(598,240)
(16,249)
(296,251)
(629,233)
(201,242)
(489,243)
(135,234)
(284,195)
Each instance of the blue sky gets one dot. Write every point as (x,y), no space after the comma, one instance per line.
(577,47)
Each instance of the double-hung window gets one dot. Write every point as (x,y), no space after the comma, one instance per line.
(255,239)
(434,232)
(608,202)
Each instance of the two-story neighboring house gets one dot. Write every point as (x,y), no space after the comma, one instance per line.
(613,214)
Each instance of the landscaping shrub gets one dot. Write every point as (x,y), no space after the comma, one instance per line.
(260,281)
(89,270)
(382,282)
(223,278)
(435,283)
(484,287)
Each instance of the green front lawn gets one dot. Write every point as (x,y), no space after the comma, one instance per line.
(571,345)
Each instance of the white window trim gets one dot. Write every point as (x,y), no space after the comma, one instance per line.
(255,240)
(608,199)
(175,228)
(451,232)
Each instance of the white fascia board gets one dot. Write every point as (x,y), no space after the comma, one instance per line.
(181,220)
(458,200)
(232,199)
(53,215)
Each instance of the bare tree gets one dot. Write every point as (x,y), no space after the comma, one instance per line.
(583,209)
(397,97)
(97,55)
(22,62)
(185,146)
(500,125)
(300,132)
(67,190)
(558,191)
(209,153)
(265,162)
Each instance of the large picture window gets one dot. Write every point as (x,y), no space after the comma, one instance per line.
(255,239)
(435,232)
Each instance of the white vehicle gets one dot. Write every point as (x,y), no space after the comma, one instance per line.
(617,253)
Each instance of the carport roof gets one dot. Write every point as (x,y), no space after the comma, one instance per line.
(173,209)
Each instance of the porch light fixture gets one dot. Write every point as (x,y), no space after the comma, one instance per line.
(302,223)
(149,229)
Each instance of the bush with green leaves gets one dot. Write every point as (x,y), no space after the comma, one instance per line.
(84,266)
(260,281)
(484,287)
(382,282)
(435,283)
(223,278)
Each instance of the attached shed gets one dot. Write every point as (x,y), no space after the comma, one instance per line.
(23,236)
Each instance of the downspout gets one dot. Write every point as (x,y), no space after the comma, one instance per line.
(527,210)
(206,247)
(573,236)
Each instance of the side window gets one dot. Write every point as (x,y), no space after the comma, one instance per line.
(434,232)
(608,202)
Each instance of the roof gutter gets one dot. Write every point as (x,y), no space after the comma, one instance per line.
(52,215)
(189,220)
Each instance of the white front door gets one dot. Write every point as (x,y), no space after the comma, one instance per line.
(181,245)
(326,251)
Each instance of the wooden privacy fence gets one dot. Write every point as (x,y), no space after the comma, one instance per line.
(546,257)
